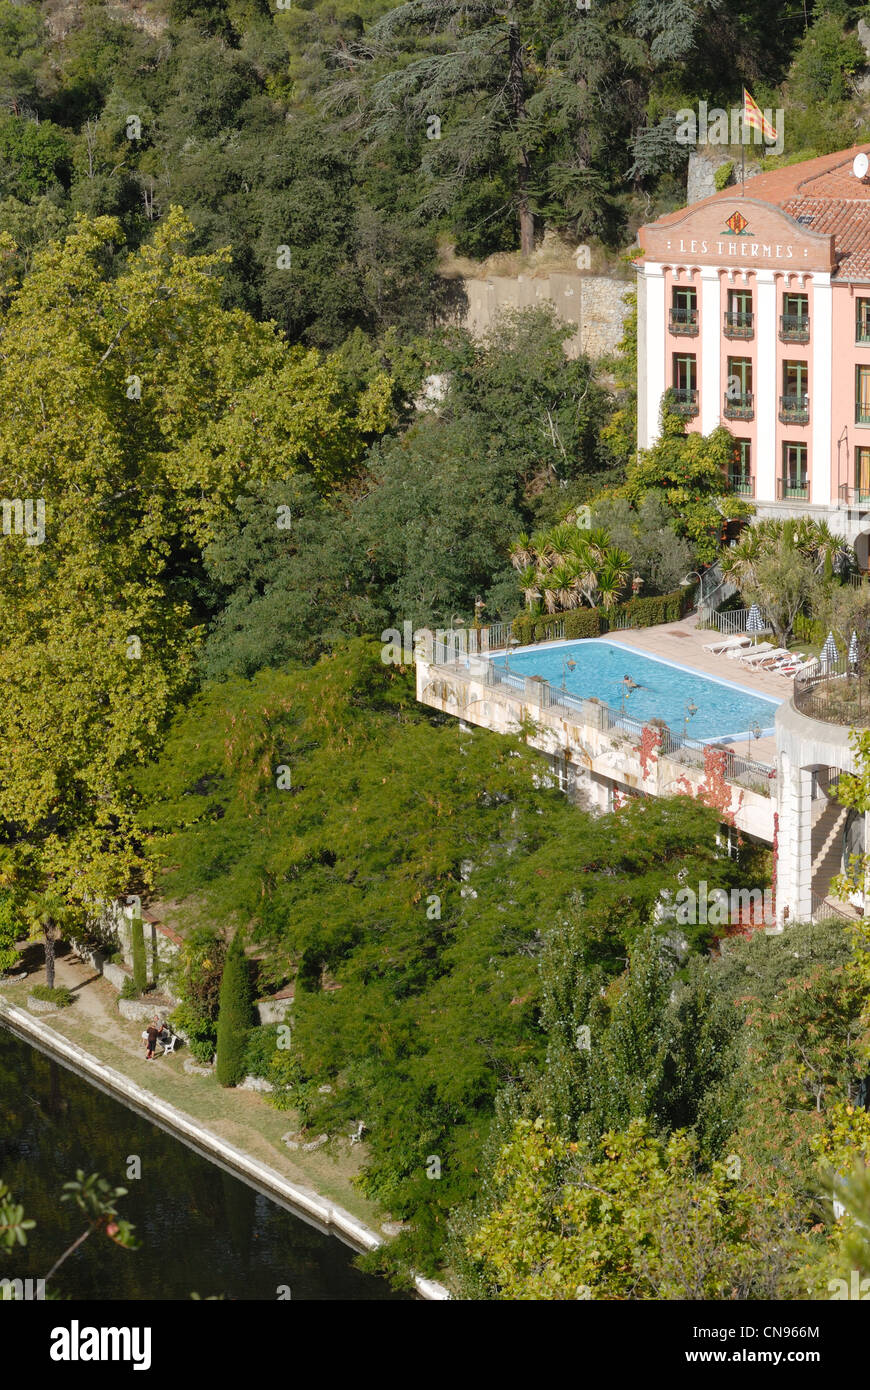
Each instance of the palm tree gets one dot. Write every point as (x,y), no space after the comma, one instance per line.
(541,553)
(47,913)
(529,581)
(521,552)
(584,563)
(612,575)
(561,539)
(560,582)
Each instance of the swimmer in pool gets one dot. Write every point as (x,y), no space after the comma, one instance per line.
(630,684)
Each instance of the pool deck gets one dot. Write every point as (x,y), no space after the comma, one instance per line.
(683,643)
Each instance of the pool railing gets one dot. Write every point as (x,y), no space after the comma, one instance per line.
(537,691)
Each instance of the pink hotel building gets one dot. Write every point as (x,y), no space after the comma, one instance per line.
(754,309)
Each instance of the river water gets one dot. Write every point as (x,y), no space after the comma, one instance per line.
(201,1229)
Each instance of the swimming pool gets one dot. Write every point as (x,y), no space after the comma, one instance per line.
(725,710)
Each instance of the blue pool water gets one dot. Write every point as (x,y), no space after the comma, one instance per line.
(725,710)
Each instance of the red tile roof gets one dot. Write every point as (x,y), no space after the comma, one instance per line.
(824,189)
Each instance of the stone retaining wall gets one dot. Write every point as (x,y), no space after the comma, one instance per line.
(592,304)
(325,1215)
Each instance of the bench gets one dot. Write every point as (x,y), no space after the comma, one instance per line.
(166,1038)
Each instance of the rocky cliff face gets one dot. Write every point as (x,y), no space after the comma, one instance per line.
(592,304)
(148,15)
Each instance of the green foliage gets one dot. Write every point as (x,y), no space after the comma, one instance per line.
(430,530)
(649,534)
(200,1032)
(60,995)
(414,1000)
(647,610)
(262,1055)
(14,1225)
(722,175)
(629,1217)
(235,1015)
(129,989)
(10,932)
(34,158)
(690,473)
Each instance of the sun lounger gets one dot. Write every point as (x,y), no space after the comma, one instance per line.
(789,669)
(782,663)
(760,659)
(724,644)
(743,653)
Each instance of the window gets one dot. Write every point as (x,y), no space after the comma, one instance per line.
(862,320)
(740,473)
(794,323)
(685,383)
(862,473)
(738,317)
(793,483)
(685,371)
(684,310)
(862,395)
(738,392)
(794,403)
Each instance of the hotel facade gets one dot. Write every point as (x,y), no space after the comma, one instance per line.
(754,313)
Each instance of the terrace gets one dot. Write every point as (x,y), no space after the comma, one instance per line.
(605,750)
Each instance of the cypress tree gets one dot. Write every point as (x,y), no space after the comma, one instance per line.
(235,1015)
(137,935)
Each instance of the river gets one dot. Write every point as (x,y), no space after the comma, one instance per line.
(202,1229)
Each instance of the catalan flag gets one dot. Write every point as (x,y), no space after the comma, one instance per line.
(755,118)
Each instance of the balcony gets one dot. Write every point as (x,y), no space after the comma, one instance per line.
(862,413)
(794,410)
(854,496)
(685,322)
(740,407)
(683,401)
(742,483)
(740,325)
(862,332)
(794,328)
(791,489)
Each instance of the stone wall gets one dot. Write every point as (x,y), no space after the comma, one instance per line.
(592,304)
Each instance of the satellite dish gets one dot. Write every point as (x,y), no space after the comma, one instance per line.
(860,165)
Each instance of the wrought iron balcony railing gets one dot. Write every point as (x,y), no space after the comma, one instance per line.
(684,321)
(794,328)
(685,402)
(739,325)
(794,410)
(742,483)
(792,489)
(739,407)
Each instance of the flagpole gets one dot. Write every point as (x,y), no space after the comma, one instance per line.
(742,166)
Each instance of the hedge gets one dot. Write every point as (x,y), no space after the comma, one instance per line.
(644,611)
(137,937)
(235,1015)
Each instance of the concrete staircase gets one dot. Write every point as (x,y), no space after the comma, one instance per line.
(828,823)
